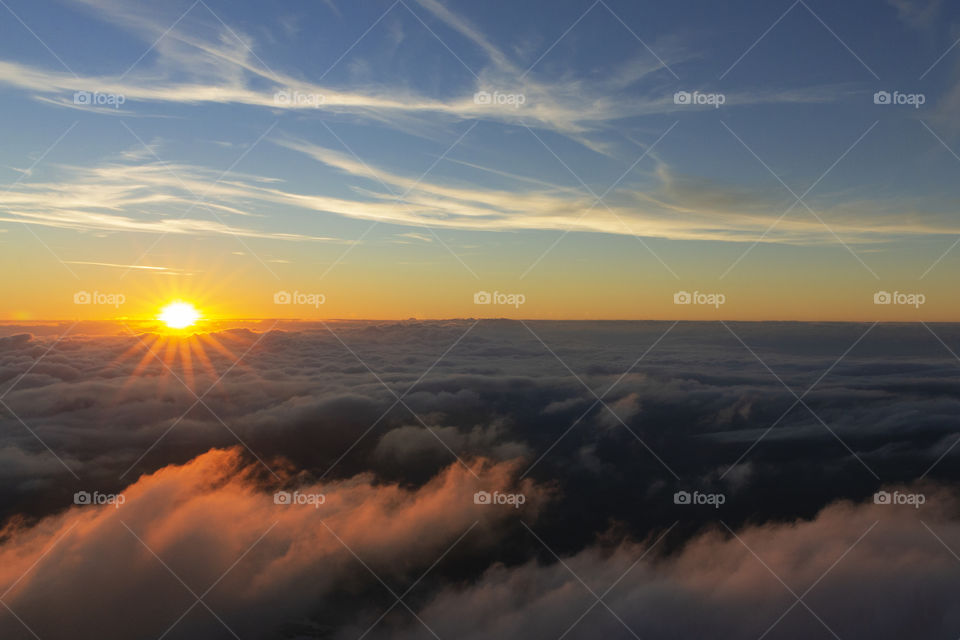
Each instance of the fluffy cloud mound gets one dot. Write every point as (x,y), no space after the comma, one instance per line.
(108,572)
(870,572)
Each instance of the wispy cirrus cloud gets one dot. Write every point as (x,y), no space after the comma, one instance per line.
(668,204)
(204,61)
(137,194)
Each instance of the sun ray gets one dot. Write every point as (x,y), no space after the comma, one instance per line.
(184,347)
(144,348)
(231,357)
(186,361)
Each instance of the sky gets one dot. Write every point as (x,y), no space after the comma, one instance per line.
(588,318)
(575,160)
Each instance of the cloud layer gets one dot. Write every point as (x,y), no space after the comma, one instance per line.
(314,408)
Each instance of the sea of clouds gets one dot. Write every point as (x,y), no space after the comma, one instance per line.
(398,426)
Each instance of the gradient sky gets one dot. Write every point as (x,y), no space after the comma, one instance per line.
(376,179)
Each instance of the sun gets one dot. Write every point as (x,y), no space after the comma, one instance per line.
(179,315)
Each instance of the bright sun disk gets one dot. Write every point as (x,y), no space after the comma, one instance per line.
(179,315)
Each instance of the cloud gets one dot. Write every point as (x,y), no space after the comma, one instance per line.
(671,206)
(277,561)
(399,483)
(141,196)
(165,270)
(102,402)
(203,60)
(918,14)
(897,576)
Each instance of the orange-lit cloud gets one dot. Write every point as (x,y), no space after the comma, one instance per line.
(201,517)
(872,571)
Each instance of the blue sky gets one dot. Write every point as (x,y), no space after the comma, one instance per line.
(299,125)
